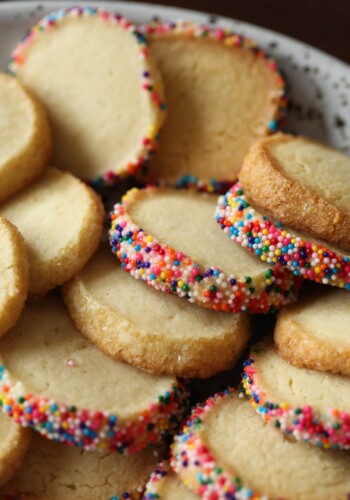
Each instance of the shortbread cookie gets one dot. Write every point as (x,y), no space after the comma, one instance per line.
(61,220)
(301,183)
(14,274)
(227,451)
(93,72)
(14,442)
(52,471)
(212,77)
(315,333)
(181,250)
(53,380)
(155,332)
(307,404)
(166,485)
(281,246)
(25,140)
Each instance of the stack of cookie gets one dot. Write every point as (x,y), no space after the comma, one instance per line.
(93,366)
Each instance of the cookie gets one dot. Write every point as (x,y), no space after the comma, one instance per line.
(25,139)
(53,380)
(226,451)
(14,442)
(306,404)
(283,174)
(211,77)
(53,471)
(280,246)
(13,274)
(124,318)
(165,485)
(61,220)
(93,72)
(314,333)
(180,250)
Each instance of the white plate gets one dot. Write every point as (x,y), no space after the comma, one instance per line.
(319,85)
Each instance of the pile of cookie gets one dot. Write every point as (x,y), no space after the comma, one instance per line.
(104,317)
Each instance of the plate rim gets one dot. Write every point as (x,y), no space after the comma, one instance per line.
(27,5)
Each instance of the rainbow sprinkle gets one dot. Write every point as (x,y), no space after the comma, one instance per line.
(91,429)
(211,481)
(151,85)
(278,246)
(157,476)
(170,271)
(330,429)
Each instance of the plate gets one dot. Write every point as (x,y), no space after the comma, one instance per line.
(318,84)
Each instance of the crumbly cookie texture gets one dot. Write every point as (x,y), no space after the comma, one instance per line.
(14,443)
(61,220)
(302,184)
(169,239)
(164,484)
(25,138)
(309,405)
(55,381)
(14,274)
(124,318)
(53,471)
(212,77)
(314,333)
(278,245)
(95,75)
(226,450)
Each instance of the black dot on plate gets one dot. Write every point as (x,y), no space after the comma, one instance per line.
(273,45)
(339,122)
(212,18)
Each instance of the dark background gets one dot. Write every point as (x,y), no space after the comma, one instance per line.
(322,23)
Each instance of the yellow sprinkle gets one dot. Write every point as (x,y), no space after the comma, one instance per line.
(265,231)
(181,284)
(284,234)
(317,270)
(268,282)
(163,275)
(278,252)
(263,257)
(149,238)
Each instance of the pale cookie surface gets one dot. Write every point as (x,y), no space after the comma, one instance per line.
(75,393)
(156,332)
(227,448)
(14,442)
(61,220)
(25,141)
(103,95)
(302,184)
(310,405)
(212,78)
(164,484)
(14,274)
(315,333)
(53,471)
(183,251)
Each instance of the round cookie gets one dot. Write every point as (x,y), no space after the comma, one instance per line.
(13,274)
(14,442)
(307,404)
(53,380)
(181,250)
(166,485)
(61,220)
(25,140)
(283,174)
(211,76)
(314,334)
(93,72)
(281,246)
(53,471)
(124,318)
(227,451)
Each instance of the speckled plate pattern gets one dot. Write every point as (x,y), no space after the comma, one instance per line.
(319,84)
